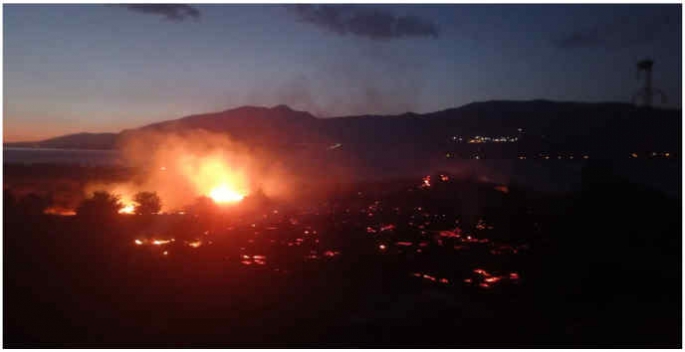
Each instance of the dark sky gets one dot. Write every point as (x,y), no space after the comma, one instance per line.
(103,68)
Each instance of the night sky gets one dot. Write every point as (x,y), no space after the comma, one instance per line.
(103,68)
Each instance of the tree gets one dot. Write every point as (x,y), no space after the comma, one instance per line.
(149,203)
(204,206)
(34,204)
(101,205)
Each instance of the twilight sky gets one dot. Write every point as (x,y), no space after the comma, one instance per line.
(103,68)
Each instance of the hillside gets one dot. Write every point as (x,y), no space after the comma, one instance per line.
(600,128)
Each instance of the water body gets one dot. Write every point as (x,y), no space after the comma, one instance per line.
(542,175)
(28,156)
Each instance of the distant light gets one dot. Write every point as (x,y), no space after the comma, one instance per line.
(138,242)
(382,247)
(166,253)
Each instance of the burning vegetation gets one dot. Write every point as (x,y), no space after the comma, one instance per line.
(180,167)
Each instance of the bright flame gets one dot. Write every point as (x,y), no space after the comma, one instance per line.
(223,194)
(127,209)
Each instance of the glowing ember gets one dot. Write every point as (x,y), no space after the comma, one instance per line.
(160,242)
(138,242)
(426,182)
(223,194)
(59,211)
(481,272)
(195,244)
(331,254)
(493,279)
(429,277)
(382,247)
(387,227)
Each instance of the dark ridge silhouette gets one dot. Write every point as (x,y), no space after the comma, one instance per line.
(599,128)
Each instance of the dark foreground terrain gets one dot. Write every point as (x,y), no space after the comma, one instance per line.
(444,263)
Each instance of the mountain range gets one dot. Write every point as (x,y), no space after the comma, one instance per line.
(540,125)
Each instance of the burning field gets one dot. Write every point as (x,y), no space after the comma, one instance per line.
(241,252)
(179,168)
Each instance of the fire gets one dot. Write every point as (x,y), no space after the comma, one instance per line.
(59,211)
(223,194)
(195,244)
(127,209)
(220,176)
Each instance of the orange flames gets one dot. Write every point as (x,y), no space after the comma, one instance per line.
(217,176)
(127,209)
(181,166)
(223,194)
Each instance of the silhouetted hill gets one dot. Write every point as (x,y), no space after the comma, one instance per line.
(598,128)
(279,125)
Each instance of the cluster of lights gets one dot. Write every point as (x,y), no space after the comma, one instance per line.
(652,155)
(545,156)
(483,139)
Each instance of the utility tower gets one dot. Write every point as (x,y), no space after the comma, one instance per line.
(645,94)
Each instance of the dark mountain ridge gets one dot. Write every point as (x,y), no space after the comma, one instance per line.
(596,127)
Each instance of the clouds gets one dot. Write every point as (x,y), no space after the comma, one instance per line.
(619,33)
(173,12)
(364,21)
